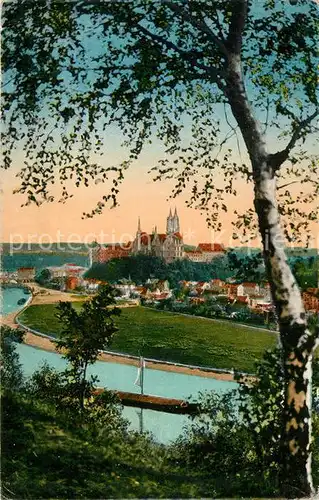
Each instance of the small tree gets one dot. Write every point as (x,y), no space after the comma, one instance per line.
(83,335)
(43,277)
(11,371)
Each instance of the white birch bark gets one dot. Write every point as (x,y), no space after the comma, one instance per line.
(296,340)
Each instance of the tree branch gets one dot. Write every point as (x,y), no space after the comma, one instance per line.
(191,57)
(219,27)
(277,159)
(288,184)
(234,129)
(199,24)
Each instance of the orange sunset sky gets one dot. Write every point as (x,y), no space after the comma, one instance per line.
(139,196)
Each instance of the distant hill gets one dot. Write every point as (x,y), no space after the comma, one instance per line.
(290,251)
(53,248)
(302,252)
(82,249)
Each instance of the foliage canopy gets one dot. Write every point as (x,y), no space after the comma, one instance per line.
(146,70)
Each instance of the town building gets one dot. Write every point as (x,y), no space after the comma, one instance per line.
(232,289)
(205,252)
(248,288)
(72,282)
(66,270)
(259,302)
(104,253)
(91,285)
(25,274)
(169,246)
(194,255)
(218,286)
(154,284)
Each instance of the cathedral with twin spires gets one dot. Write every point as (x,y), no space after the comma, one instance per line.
(172,223)
(168,246)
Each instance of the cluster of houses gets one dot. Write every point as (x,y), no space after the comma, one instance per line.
(71,277)
(21,275)
(255,296)
(152,290)
(252,295)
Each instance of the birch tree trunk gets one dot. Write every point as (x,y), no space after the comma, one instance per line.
(296,340)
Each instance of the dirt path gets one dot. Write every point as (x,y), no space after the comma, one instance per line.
(9,320)
(43,295)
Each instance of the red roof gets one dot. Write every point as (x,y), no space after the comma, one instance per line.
(211,247)
(26,268)
(178,235)
(72,279)
(232,286)
(162,236)
(107,253)
(197,299)
(249,285)
(162,295)
(242,298)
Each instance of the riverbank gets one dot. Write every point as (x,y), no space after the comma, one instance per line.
(46,344)
(43,296)
(183,340)
(39,296)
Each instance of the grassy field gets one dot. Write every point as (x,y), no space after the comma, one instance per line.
(172,337)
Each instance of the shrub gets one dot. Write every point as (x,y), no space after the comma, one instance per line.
(11,371)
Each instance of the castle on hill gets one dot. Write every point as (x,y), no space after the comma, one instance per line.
(169,246)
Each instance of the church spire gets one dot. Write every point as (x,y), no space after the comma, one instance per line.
(169,223)
(176,227)
(139,225)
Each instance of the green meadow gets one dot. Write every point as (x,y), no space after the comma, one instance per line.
(172,337)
